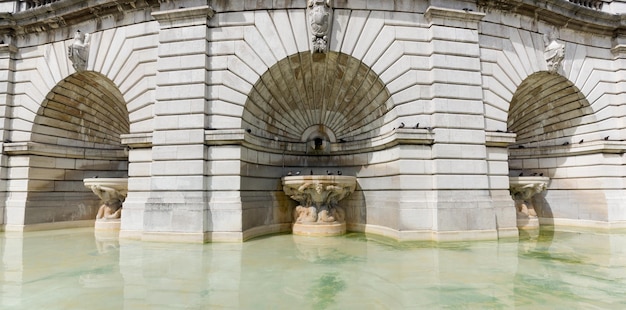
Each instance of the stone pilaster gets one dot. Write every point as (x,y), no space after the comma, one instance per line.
(7,69)
(459,150)
(176,208)
(498,173)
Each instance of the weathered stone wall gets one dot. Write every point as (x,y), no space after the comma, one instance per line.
(581,102)
(209,89)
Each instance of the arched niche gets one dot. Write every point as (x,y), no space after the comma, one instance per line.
(75,135)
(84,110)
(549,110)
(306,96)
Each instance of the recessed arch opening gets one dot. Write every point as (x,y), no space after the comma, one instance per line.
(75,135)
(84,110)
(333,94)
(549,110)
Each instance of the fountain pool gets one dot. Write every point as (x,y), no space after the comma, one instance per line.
(75,269)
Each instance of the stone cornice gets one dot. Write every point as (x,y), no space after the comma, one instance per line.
(560,13)
(396,137)
(564,14)
(66,13)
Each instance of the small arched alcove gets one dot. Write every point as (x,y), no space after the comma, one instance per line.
(75,135)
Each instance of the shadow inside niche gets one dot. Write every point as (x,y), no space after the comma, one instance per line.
(356,210)
(546,219)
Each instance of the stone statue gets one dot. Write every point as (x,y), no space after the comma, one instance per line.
(554,52)
(319,202)
(319,12)
(318,212)
(305,214)
(110,210)
(523,196)
(78,52)
(314,197)
(112,199)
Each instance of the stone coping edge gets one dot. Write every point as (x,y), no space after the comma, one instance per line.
(206,236)
(591,147)
(48,226)
(425,235)
(62,151)
(562,224)
(413,235)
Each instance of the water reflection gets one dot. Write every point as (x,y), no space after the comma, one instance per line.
(73,269)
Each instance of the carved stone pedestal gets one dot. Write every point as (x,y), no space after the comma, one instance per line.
(108,224)
(322,229)
(318,213)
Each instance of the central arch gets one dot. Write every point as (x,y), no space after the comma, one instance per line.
(317,100)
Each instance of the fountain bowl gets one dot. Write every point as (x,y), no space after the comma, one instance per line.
(118,184)
(318,213)
(522,189)
(108,189)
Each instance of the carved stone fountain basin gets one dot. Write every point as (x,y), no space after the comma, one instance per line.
(522,190)
(318,212)
(528,186)
(118,184)
(112,192)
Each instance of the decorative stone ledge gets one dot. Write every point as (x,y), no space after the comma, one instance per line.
(41,149)
(7,49)
(434,13)
(241,137)
(184,16)
(499,139)
(137,140)
(619,49)
(591,147)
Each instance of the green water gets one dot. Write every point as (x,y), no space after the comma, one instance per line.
(71,269)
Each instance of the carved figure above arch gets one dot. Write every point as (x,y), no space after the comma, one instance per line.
(554,53)
(320,16)
(78,52)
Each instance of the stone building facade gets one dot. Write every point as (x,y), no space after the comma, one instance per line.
(204,105)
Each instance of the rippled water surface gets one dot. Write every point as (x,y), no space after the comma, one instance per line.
(72,269)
